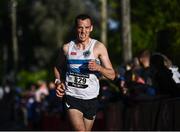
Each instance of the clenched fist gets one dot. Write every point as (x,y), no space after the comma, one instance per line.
(93,66)
(60,89)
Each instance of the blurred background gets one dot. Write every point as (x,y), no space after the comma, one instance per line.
(32,32)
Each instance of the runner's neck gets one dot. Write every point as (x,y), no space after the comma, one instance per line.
(83,45)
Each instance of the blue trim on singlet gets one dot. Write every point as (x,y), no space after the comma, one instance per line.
(82,71)
(75,61)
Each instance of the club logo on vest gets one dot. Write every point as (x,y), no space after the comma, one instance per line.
(73,53)
(86,53)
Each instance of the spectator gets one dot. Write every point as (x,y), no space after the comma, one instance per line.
(162,76)
(174,69)
(144,60)
(42,91)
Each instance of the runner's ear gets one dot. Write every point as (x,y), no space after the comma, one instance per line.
(91,28)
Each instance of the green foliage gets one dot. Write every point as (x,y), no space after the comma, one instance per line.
(48,24)
(54,19)
(44,25)
(25,77)
(148,18)
(172,40)
(141,40)
(114,48)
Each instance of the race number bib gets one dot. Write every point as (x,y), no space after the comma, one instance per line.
(78,80)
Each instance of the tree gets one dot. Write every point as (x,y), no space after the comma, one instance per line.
(104,21)
(126,30)
(13,4)
(46,25)
(148,20)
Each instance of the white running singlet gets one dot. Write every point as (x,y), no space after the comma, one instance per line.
(80,81)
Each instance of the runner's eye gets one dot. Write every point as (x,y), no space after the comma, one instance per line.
(80,28)
(87,27)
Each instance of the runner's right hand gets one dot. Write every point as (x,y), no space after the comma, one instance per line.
(60,90)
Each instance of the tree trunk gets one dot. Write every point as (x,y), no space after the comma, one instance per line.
(14,33)
(126,30)
(104,21)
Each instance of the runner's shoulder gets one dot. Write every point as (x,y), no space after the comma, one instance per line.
(65,47)
(99,45)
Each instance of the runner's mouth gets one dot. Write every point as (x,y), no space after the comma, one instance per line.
(82,36)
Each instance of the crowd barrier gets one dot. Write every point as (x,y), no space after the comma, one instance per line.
(155,113)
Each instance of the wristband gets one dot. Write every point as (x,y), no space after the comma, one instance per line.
(57,81)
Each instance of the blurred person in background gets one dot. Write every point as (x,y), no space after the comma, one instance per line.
(144,59)
(174,69)
(54,103)
(81,86)
(42,91)
(162,76)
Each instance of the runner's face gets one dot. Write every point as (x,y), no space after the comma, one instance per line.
(83,29)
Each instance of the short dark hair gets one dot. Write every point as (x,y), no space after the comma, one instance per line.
(83,17)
